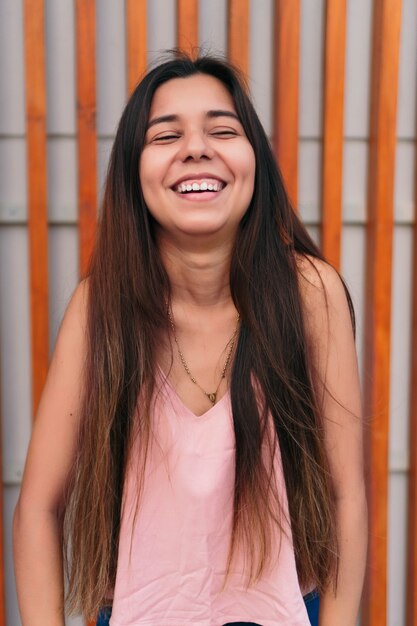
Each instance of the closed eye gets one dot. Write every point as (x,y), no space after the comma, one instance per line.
(219,133)
(215,133)
(166,138)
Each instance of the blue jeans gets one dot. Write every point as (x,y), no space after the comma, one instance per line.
(312,602)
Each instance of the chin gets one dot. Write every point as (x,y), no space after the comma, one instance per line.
(200,231)
(199,225)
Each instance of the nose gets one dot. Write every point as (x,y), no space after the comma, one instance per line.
(195,146)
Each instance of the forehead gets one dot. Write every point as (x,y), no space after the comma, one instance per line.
(191,96)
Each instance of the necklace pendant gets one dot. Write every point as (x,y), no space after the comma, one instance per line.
(212,397)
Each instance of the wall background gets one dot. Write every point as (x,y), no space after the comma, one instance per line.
(15,335)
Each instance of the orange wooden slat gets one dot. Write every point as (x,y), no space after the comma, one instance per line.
(86,122)
(334,77)
(238,34)
(381,167)
(187,24)
(286,90)
(136,36)
(37,191)
(412,476)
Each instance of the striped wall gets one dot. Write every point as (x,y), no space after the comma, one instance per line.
(334,83)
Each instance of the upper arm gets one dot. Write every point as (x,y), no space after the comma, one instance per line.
(334,371)
(53,442)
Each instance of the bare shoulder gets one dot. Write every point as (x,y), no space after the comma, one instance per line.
(321,287)
(316,275)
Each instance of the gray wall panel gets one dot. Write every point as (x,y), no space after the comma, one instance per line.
(212,24)
(60,66)
(13,180)
(103,154)
(162,27)
(311,70)
(12,92)
(400,346)
(10,495)
(111,64)
(15,349)
(358,67)
(62,180)
(397,550)
(309,181)
(314,233)
(261,56)
(407,88)
(355,180)
(405,168)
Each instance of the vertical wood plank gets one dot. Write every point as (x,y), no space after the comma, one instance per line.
(381,168)
(238,34)
(85,11)
(37,191)
(86,124)
(411,618)
(333,108)
(187,24)
(136,36)
(286,91)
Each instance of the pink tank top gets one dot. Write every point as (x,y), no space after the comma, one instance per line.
(180,540)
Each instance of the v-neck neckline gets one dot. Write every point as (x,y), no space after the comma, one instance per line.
(179,400)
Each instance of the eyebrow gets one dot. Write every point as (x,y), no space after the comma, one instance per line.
(175,118)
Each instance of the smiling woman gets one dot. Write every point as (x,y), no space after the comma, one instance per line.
(197,167)
(202,410)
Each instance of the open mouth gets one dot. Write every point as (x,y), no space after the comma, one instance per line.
(185,188)
(204,187)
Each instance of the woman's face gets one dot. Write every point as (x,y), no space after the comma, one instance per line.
(197,168)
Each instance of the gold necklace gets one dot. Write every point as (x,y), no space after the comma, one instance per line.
(213,395)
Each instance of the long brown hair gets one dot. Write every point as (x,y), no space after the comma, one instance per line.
(128,290)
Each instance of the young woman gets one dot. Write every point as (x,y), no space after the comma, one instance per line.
(198,447)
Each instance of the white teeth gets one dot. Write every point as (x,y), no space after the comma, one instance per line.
(204,186)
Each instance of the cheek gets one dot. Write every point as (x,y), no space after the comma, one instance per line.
(146,174)
(245,163)
(148,184)
(151,188)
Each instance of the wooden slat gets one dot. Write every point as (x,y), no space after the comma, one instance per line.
(37,191)
(286,76)
(238,34)
(385,53)
(187,24)
(334,78)
(86,126)
(86,121)
(136,37)
(412,476)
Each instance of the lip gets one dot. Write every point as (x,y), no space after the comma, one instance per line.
(197,176)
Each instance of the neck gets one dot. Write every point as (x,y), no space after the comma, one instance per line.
(199,275)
